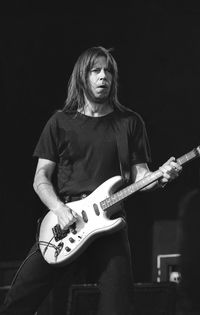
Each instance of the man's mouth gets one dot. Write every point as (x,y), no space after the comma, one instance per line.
(103,86)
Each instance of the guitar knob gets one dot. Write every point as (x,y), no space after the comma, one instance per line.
(74,231)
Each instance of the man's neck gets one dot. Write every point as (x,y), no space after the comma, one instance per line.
(96,109)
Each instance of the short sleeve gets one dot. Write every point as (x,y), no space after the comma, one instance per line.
(46,147)
(139,142)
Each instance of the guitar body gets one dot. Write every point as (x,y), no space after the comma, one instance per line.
(92,222)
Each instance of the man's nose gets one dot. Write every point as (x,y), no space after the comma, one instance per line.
(102,74)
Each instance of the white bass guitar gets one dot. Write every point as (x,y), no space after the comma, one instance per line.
(60,247)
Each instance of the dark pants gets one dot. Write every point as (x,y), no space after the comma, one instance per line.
(105,262)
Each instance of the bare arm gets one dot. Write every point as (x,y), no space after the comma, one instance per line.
(139,171)
(43,185)
(44,188)
(170,171)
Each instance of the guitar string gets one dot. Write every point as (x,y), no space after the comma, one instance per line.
(16,275)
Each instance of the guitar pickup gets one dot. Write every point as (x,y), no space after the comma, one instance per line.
(84,216)
(96,209)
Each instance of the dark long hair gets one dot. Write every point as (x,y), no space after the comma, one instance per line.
(78,80)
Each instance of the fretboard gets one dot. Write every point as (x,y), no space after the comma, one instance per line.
(133,188)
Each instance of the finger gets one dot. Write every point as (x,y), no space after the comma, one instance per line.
(63,225)
(167,175)
(70,214)
(165,168)
(176,168)
(75,214)
(171,159)
(168,172)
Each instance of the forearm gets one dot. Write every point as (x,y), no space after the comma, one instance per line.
(46,192)
(44,188)
(140,171)
(169,171)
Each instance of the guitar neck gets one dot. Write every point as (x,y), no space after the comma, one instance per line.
(133,188)
(195,153)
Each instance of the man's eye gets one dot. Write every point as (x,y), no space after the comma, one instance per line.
(95,70)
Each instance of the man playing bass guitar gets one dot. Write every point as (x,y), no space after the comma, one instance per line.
(77,152)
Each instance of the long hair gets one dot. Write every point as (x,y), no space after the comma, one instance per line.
(78,81)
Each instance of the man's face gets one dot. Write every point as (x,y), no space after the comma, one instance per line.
(99,81)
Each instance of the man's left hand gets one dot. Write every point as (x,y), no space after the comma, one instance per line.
(170,170)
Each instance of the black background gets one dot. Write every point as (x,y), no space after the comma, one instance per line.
(157,47)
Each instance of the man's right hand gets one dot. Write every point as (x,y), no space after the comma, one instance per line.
(65,215)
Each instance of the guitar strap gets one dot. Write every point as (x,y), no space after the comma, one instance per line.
(121,134)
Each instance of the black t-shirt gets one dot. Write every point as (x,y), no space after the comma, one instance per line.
(85,149)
